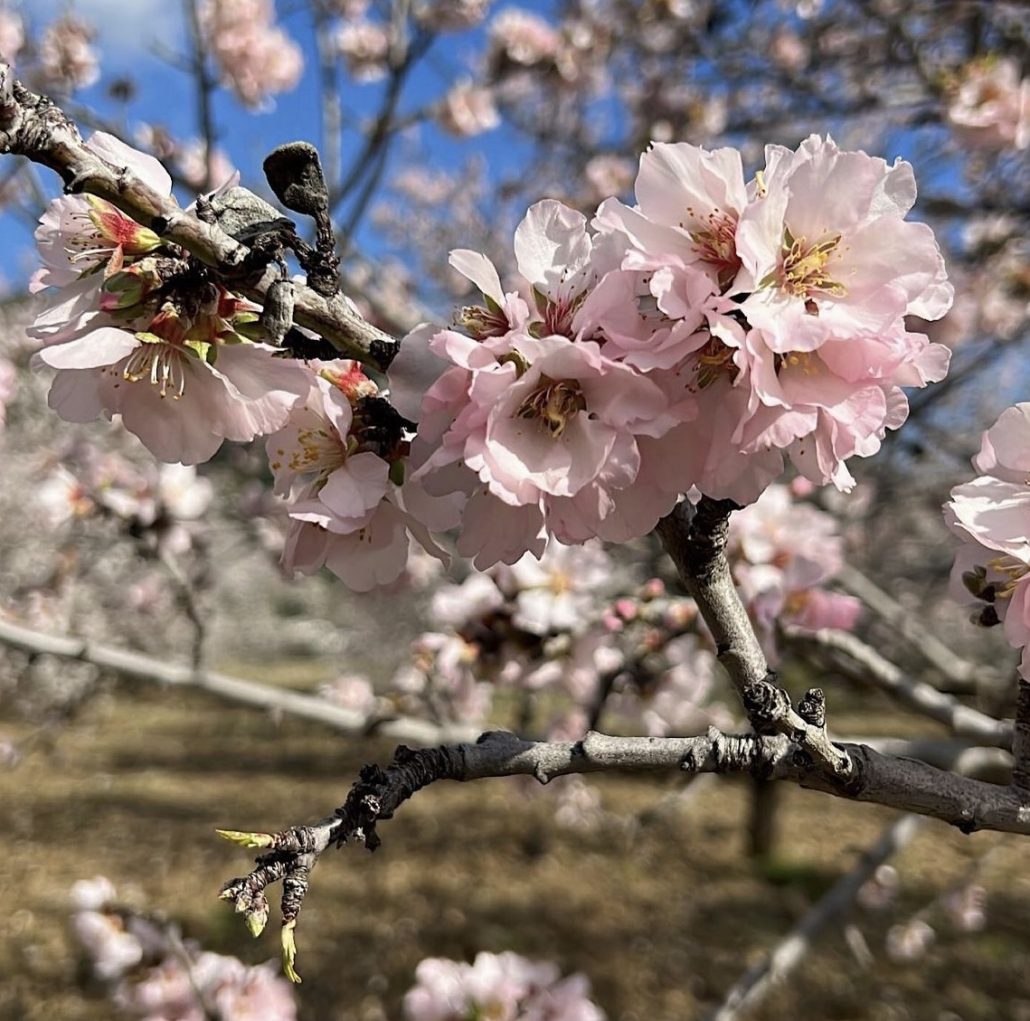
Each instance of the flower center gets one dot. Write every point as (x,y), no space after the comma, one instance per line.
(715,359)
(716,244)
(163,363)
(318,452)
(555,404)
(803,270)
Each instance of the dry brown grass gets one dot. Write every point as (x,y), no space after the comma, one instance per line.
(662,922)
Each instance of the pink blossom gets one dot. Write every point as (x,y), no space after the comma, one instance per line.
(66,56)
(112,950)
(783,553)
(991,515)
(12,35)
(468,110)
(504,986)
(990,105)
(556,591)
(257,58)
(333,461)
(523,37)
(365,46)
(452,15)
(909,941)
(351,691)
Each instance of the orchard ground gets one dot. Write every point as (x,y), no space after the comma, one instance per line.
(663,916)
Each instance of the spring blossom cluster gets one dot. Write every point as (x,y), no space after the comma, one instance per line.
(692,343)
(152,975)
(497,986)
(695,341)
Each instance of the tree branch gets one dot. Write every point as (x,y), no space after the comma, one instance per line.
(32,126)
(758,980)
(696,542)
(863,663)
(137,666)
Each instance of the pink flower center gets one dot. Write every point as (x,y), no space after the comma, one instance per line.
(717,244)
(554,404)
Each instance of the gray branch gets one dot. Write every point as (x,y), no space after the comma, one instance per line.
(758,980)
(32,126)
(139,667)
(855,659)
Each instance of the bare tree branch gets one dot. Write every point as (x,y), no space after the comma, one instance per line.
(760,978)
(696,542)
(960,673)
(861,662)
(233,689)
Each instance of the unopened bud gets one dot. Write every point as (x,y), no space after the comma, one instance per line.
(257,917)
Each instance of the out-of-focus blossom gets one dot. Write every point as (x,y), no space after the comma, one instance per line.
(782,553)
(452,15)
(608,174)
(351,691)
(789,50)
(201,173)
(112,950)
(257,58)
(556,591)
(967,908)
(523,37)
(467,110)
(66,55)
(990,105)
(152,974)
(881,890)
(991,515)
(497,986)
(909,941)
(365,47)
(12,35)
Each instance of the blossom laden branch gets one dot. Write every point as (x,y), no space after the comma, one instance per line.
(34,127)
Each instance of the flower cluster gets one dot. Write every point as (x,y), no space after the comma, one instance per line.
(991,515)
(257,58)
(151,974)
(497,986)
(136,329)
(339,461)
(691,342)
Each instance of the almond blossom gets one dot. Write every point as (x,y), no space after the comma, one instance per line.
(990,104)
(498,986)
(257,58)
(468,110)
(177,367)
(338,461)
(991,515)
(66,55)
